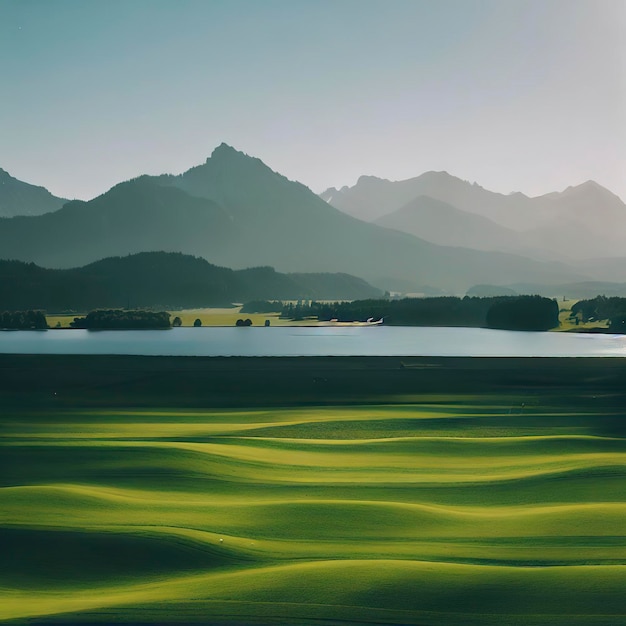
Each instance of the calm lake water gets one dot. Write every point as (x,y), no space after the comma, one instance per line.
(314,341)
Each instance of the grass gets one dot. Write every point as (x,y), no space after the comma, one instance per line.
(500,506)
(208,317)
(568,324)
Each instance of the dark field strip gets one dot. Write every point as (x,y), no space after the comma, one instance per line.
(50,381)
(459,491)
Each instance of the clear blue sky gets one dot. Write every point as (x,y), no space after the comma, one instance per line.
(516,95)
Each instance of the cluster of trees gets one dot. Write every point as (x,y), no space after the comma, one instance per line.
(119,319)
(442,311)
(602,308)
(510,312)
(23,320)
(599,308)
(523,313)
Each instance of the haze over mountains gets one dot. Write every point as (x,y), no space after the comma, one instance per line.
(581,222)
(444,224)
(234,211)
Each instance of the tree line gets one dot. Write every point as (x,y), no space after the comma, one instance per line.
(117,319)
(601,308)
(503,312)
(23,320)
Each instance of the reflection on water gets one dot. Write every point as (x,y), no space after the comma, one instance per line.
(311,341)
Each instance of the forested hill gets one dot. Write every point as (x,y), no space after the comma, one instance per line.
(161,279)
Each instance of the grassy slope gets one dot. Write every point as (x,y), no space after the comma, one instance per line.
(505,505)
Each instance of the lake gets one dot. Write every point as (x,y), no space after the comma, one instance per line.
(315,341)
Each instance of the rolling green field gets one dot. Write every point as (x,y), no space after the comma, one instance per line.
(502,505)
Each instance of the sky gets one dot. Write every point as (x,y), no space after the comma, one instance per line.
(517,95)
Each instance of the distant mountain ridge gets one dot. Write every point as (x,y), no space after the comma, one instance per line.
(584,289)
(444,224)
(20,198)
(372,197)
(236,212)
(160,279)
(582,221)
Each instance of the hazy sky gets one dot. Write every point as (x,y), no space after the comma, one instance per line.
(516,95)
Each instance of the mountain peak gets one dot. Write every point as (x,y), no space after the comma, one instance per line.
(587,185)
(436,174)
(588,188)
(591,183)
(225,151)
(364,180)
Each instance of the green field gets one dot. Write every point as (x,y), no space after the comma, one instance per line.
(208,317)
(502,505)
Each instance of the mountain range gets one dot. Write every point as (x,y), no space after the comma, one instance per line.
(234,211)
(582,222)
(166,280)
